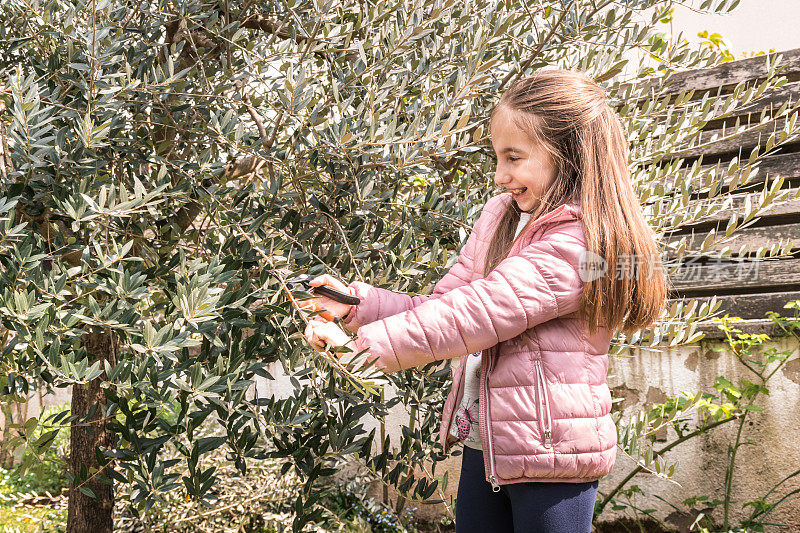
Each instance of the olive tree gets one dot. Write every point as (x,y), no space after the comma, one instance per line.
(167,165)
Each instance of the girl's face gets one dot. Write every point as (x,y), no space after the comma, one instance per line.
(523,167)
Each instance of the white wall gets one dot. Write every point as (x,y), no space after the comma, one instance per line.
(755,25)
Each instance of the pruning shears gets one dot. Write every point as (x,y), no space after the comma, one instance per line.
(302,283)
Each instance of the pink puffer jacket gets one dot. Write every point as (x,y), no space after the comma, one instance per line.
(544,401)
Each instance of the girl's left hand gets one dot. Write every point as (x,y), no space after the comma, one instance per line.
(324,335)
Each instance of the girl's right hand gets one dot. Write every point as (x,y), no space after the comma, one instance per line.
(337,309)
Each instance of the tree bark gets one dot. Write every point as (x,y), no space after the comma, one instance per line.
(86,514)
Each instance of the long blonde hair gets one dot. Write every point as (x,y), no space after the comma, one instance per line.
(568,114)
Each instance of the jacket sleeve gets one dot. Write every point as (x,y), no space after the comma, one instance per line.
(539,284)
(377,303)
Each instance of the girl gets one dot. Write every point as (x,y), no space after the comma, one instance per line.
(540,287)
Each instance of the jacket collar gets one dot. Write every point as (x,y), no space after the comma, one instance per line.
(566,211)
(570,210)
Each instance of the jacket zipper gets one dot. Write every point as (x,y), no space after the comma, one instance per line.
(544,421)
(492,476)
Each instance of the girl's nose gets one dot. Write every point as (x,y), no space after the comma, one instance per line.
(501,177)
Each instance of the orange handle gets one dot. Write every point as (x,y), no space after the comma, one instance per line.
(324,314)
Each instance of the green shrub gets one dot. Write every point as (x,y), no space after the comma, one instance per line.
(358,513)
(42,469)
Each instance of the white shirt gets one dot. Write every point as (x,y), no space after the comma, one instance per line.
(465,421)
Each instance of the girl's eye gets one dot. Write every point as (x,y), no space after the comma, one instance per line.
(512,158)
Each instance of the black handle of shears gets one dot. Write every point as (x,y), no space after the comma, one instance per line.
(323,290)
(333,294)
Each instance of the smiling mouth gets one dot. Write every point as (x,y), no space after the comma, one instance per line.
(517,192)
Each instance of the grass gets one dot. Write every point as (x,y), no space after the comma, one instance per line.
(25,519)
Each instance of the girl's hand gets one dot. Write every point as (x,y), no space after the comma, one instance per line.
(337,309)
(324,335)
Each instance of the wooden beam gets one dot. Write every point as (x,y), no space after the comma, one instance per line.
(771,102)
(785,166)
(776,213)
(705,276)
(750,306)
(751,237)
(720,143)
(721,78)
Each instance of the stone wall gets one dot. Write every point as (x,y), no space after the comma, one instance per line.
(650,376)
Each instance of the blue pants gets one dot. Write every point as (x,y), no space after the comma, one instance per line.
(529,507)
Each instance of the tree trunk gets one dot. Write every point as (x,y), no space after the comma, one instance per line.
(86,514)
(6,452)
